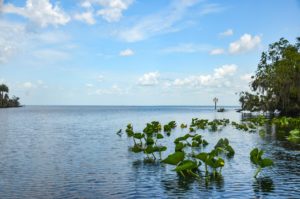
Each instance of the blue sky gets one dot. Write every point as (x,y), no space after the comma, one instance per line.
(137,52)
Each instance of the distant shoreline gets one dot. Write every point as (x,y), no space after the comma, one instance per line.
(13,106)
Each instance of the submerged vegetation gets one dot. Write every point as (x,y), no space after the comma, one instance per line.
(5,101)
(276,83)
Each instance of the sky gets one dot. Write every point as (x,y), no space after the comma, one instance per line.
(137,52)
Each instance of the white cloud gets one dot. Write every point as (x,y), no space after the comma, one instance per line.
(163,22)
(11,37)
(149,79)
(227,33)
(245,44)
(40,82)
(112,9)
(126,52)
(186,48)
(225,70)
(86,4)
(217,51)
(100,78)
(87,17)
(40,12)
(89,85)
(246,77)
(221,77)
(211,8)
(29,85)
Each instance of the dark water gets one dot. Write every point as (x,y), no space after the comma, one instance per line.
(74,152)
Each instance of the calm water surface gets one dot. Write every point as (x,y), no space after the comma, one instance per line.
(74,152)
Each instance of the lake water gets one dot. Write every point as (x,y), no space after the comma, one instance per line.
(74,152)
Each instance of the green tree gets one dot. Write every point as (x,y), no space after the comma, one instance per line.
(3,90)
(276,83)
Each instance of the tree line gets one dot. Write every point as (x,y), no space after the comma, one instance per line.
(276,83)
(5,101)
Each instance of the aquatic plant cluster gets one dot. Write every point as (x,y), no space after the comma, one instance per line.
(184,158)
(283,124)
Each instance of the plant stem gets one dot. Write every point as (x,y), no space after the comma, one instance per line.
(141,142)
(134,140)
(182,173)
(147,154)
(214,172)
(193,174)
(206,169)
(159,155)
(220,171)
(154,156)
(257,172)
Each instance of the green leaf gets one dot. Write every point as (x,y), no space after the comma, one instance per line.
(149,141)
(204,142)
(179,146)
(129,133)
(136,149)
(174,158)
(172,124)
(195,144)
(262,133)
(254,152)
(187,164)
(295,139)
(202,156)
(226,141)
(167,128)
(177,140)
(230,150)
(138,136)
(295,132)
(159,136)
(149,149)
(266,163)
(163,148)
(215,162)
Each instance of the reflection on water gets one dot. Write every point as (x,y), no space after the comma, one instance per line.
(263,185)
(74,152)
